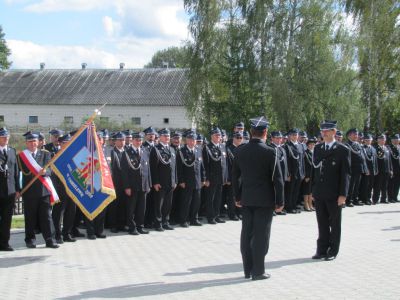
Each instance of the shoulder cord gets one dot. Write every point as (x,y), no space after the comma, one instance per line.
(276,161)
(160,157)
(316,166)
(393,155)
(21,169)
(291,153)
(184,162)
(352,149)
(382,154)
(369,158)
(212,157)
(130,163)
(309,157)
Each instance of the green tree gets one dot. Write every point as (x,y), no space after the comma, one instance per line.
(4,52)
(173,57)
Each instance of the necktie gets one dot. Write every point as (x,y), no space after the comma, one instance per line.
(33,155)
(326,147)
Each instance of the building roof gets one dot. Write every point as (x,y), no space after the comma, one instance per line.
(147,87)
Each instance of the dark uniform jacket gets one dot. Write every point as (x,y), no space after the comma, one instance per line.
(309,168)
(230,156)
(163,166)
(190,167)
(295,160)
(332,173)
(116,170)
(384,161)
(256,176)
(37,189)
(282,158)
(9,173)
(136,169)
(215,163)
(358,163)
(51,148)
(371,159)
(395,157)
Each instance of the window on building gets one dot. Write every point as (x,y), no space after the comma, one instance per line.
(1,119)
(166,120)
(136,121)
(68,120)
(33,119)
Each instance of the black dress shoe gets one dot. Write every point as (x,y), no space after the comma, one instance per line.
(292,211)
(368,202)
(69,238)
(114,230)
(76,233)
(385,202)
(59,240)
(101,236)
(247,276)
(134,232)
(167,227)
(350,204)
(52,245)
(358,203)
(196,223)
(184,225)
(318,256)
(261,277)
(6,248)
(330,257)
(212,222)
(142,231)
(91,237)
(159,229)
(219,220)
(234,218)
(282,213)
(30,244)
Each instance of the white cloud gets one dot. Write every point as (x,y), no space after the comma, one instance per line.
(134,52)
(46,6)
(111,27)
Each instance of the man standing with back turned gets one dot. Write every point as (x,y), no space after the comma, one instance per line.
(258,186)
(331,161)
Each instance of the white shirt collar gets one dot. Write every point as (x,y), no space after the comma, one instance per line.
(216,145)
(2,148)
(330,144)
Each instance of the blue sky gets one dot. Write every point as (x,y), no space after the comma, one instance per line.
(102,33)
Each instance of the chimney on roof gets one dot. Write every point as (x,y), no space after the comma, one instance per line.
(84,65)
(42,65)
(121,66)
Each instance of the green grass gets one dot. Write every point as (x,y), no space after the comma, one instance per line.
(18,222)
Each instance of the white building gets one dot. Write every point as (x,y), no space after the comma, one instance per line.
(50,98)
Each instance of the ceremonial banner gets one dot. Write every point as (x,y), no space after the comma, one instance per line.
(82,168)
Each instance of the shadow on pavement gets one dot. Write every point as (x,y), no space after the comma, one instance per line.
(9,262)
(395,240)
(232,268)
(391,228)
(153,288)
(379,212)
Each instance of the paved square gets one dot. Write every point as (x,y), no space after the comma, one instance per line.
(205,263)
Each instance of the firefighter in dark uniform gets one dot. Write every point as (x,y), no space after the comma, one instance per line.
(358,167)
(385,171)
(276,142)
(394,182)
(306,186)
(116,210)
(367,181)
(331,182)
(176,143)
(214,164)
(339,136)
(54,146)
(135,165)
(239,127)
(9,187)
(237,142)
(64,210)
(191,178)
(148,144)
(295,157)
(258,188)
(36,199)
(164,179)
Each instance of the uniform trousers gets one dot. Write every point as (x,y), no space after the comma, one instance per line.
(6,212)
(190,204)
(38,210)
(254,238)
(213,203)
(380,187)
(329,218)
(135,209)
(65,211)
(162,206)
(393,187)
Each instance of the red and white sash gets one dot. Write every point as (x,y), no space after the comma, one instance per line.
(35,168)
